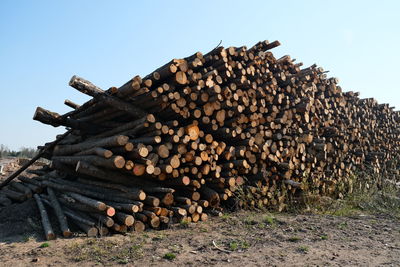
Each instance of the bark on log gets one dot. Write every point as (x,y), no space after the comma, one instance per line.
(48,230)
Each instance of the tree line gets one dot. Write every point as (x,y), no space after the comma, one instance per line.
(24,152)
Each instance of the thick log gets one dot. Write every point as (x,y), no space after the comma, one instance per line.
(20,187)
(88,201)
(124,218)
(113,141)
(101,152)
(210,195)
(114,162)
(13,195)
(75,205)
(88,88)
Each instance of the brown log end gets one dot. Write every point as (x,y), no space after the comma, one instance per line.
(203,217)
(119,162)
(122,140)
(92,232)
(139,169)
(175,161)
(139,226)
(180,77)
(67,234)
(129,220)
(193,132)
(142,196)
(143,152)
(155,222)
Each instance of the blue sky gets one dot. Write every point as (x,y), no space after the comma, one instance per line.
(44,43)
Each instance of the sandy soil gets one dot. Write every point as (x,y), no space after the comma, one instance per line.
(243,238)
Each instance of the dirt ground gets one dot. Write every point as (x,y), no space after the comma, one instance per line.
(243,238)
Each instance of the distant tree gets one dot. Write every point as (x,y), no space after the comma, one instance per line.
(27,152)
(23,152)
(4,151)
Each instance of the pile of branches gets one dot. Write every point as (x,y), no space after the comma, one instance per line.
(188,138)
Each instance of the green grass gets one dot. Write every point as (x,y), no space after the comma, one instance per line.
(159,237)
(105,251)
(363,192)
(28,238)
(269,220)
(342,225)
(245,245)
(184,223)
(251,219)
(225,216)
(303,249)
(169,256)
(294,239)
(203,230)
(238,244)
(233,245)
(44,245)
(324,237)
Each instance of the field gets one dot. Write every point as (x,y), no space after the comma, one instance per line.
(234,239)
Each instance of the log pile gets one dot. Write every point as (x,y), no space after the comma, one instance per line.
(192,136)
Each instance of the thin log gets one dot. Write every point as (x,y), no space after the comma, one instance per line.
(59,213)
(48,230)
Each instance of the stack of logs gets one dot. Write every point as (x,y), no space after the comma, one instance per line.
(233,127)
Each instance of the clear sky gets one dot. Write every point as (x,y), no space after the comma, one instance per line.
(44,43)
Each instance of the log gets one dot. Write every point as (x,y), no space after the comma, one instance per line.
(13,195)
(88,201)
(112,141)
(48,230)
(20,187)
(62,220)
(101,152)
(88,88)
(124,218)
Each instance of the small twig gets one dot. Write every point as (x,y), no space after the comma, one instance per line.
(220,249)
(220,42)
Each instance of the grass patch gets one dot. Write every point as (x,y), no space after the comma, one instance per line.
(364,192)
(342,225)
(233,245)
(238,245)
(105,251)
(303,249)
(294,239)
(44,245)
(269,220)
(225,216)
(169,256)
(203,230)
(251,219)
(324,237)
(245,245)
(159,237)
(184,223)
(28,238)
